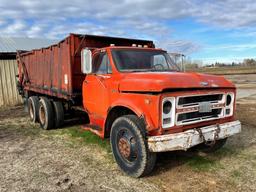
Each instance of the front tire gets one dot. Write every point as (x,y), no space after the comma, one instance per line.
(46,114)
(129,146)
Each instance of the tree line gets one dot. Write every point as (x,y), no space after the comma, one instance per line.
(245,62)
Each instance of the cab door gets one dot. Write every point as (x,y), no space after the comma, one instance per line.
(96,85)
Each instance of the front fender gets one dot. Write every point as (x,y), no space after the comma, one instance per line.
(143,105)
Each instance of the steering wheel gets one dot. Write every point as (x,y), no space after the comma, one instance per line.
(158,64)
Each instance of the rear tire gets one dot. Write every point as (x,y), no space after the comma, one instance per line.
(59,113)
(129,146)
(33,105)
(46,114)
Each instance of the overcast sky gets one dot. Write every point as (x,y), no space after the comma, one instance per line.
(210,30)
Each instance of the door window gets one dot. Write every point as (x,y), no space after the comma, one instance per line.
(101,64)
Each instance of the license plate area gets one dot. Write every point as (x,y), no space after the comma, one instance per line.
(205,107)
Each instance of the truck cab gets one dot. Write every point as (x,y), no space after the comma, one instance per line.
(139,98)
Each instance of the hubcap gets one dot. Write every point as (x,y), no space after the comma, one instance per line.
(124,148)
(127,146)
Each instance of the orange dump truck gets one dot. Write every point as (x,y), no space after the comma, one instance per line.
(132,92)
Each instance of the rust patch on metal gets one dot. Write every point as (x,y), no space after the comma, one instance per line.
(124,147)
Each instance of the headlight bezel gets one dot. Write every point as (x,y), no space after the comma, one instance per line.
(229,106)
(168,119)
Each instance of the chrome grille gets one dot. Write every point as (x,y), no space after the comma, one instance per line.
(195,99)
(199,108)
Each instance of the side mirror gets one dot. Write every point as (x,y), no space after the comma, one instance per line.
(86,61)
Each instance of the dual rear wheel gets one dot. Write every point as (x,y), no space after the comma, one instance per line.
(49,114)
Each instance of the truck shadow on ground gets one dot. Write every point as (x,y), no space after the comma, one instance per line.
(166,161)
(193,159)
(75,118)
(199,161)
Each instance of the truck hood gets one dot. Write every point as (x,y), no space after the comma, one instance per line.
(159,81)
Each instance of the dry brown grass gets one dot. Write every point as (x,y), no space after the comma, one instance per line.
(226,70)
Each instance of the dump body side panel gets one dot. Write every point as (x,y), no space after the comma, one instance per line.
(48,70)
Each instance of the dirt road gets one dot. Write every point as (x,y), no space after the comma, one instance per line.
(69,159)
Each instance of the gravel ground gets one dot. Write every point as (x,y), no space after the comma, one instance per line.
(32,159)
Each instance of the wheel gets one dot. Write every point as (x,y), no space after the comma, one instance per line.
(46,114)
(58,113)
(33,105)
(206,148)
(129,146)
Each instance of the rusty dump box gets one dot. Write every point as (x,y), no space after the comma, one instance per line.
(56,70)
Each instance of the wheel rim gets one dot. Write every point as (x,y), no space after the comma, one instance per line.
(124,147)
(127,145)
(42,115)
(31,111)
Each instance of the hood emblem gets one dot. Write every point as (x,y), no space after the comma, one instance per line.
(204,83)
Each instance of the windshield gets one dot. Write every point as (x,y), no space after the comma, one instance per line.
(143,60)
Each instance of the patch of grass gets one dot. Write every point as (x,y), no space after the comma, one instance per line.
(211,161)
(246,113)
(88,137)
(236,174)
(199,163)
(225,151)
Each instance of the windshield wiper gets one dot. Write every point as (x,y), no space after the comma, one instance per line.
(135,70)
(163,70)
(150,70)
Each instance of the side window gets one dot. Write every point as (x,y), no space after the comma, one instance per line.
(109,68)
(101,64)
(159,62)
(159,59)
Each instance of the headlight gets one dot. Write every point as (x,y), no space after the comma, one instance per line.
(229,109)
(168,112)
(167,107)
(228,100)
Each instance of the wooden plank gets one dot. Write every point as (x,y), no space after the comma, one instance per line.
(8,91)
(13,84)
(1,85)
(9,83)
(5,93)
(16,95)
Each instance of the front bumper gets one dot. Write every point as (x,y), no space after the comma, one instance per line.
(190,138)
